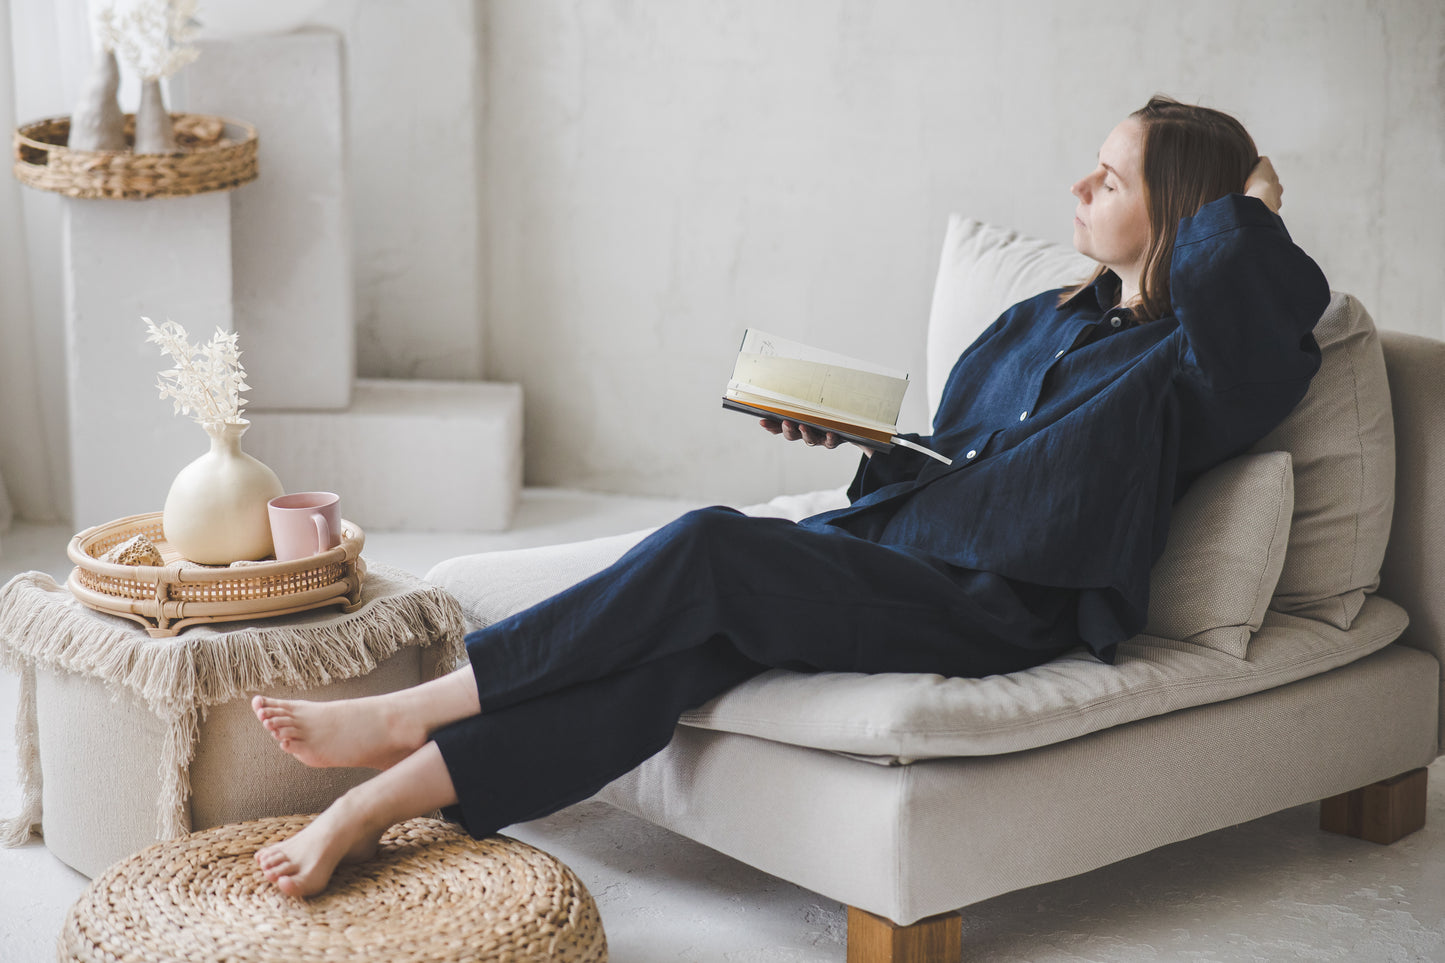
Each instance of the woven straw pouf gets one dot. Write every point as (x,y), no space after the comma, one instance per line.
(431,893)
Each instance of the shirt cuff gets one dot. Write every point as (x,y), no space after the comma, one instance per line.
(1228,213)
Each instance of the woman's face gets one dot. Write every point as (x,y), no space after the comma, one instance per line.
(1111,223)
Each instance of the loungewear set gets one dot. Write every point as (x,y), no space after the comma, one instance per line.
(1072,431)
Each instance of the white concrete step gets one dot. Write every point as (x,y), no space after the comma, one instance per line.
(425,456)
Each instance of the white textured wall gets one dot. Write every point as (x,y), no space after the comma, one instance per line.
(661,175)
(413,119)
(644,179)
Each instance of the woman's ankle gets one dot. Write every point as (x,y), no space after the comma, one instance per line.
(436,704)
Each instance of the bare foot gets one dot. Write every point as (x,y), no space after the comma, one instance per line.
(302,865)
(348,732)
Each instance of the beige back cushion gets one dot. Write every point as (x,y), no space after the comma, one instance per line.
(1342,438)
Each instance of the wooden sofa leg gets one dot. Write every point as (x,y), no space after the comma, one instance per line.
(1381,812)
(873,939)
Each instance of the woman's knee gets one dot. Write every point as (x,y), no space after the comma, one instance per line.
(704,525)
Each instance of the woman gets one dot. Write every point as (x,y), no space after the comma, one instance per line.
(1073,423)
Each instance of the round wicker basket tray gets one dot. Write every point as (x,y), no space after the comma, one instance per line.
(217,154)
(168,598)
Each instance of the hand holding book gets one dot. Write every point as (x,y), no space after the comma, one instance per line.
(808,435)
(852,400)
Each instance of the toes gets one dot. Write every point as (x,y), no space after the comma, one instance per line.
(283,731)
(276,867)
(289,886)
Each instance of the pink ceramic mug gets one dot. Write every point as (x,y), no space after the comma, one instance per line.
(304,524)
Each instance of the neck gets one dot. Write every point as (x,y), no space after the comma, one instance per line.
(1128,289)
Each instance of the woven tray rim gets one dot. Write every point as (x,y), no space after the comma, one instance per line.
(78,551)
(174,597)
(126,175)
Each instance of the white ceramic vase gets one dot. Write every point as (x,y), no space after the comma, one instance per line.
(154,133)
(215,512)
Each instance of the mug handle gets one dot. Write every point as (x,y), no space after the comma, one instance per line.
(323,532)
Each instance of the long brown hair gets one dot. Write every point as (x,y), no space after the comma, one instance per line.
(1191,155)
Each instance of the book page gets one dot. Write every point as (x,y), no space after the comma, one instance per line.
(773,368)
(760,342)
(777,401)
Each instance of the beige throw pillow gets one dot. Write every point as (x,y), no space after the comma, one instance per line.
(1226,548)
(983,270)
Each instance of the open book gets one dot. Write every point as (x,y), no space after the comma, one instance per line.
(783,380)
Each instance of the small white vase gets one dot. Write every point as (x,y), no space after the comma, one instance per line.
(154,133)
(215,512)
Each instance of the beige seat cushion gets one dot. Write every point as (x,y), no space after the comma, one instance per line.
(897,717)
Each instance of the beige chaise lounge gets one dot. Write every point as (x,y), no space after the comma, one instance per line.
(1272,673)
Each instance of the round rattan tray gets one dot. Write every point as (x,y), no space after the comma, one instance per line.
(430,893)
(217,154)
(168,598)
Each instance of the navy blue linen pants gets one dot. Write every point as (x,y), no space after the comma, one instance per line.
(584,686)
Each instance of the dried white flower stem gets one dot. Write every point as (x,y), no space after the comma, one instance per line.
(208,379)
(151,35)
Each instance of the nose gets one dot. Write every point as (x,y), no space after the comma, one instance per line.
(1081,189)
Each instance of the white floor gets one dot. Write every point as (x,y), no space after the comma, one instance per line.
(1274,889)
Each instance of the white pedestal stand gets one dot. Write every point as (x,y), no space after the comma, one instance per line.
(416,455)
(290,229)
(159,258)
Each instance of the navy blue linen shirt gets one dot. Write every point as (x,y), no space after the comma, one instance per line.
(1073,429)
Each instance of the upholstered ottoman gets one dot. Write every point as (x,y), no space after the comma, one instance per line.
(430,893)
(124,740)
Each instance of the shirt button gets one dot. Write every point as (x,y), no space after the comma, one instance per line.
(971,453)
(1023,416)
(1059,355)
(1114,322)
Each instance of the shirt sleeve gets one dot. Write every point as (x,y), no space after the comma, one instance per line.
(1246,296)
(898,464)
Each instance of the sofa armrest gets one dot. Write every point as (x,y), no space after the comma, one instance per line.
(493,585)
(1413,573)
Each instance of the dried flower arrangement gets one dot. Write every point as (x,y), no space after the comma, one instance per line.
(153,37)
(208,379)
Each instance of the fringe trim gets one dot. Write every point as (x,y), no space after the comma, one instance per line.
(18,830)
(41,624)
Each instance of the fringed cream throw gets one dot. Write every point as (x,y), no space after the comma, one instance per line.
(42,626)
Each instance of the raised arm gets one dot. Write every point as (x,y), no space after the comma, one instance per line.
(1245,294)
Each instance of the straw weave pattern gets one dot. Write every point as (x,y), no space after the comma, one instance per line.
(170,597)
(430,894)
(215,154)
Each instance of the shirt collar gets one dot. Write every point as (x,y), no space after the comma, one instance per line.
(1104,290)
(1094,296)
